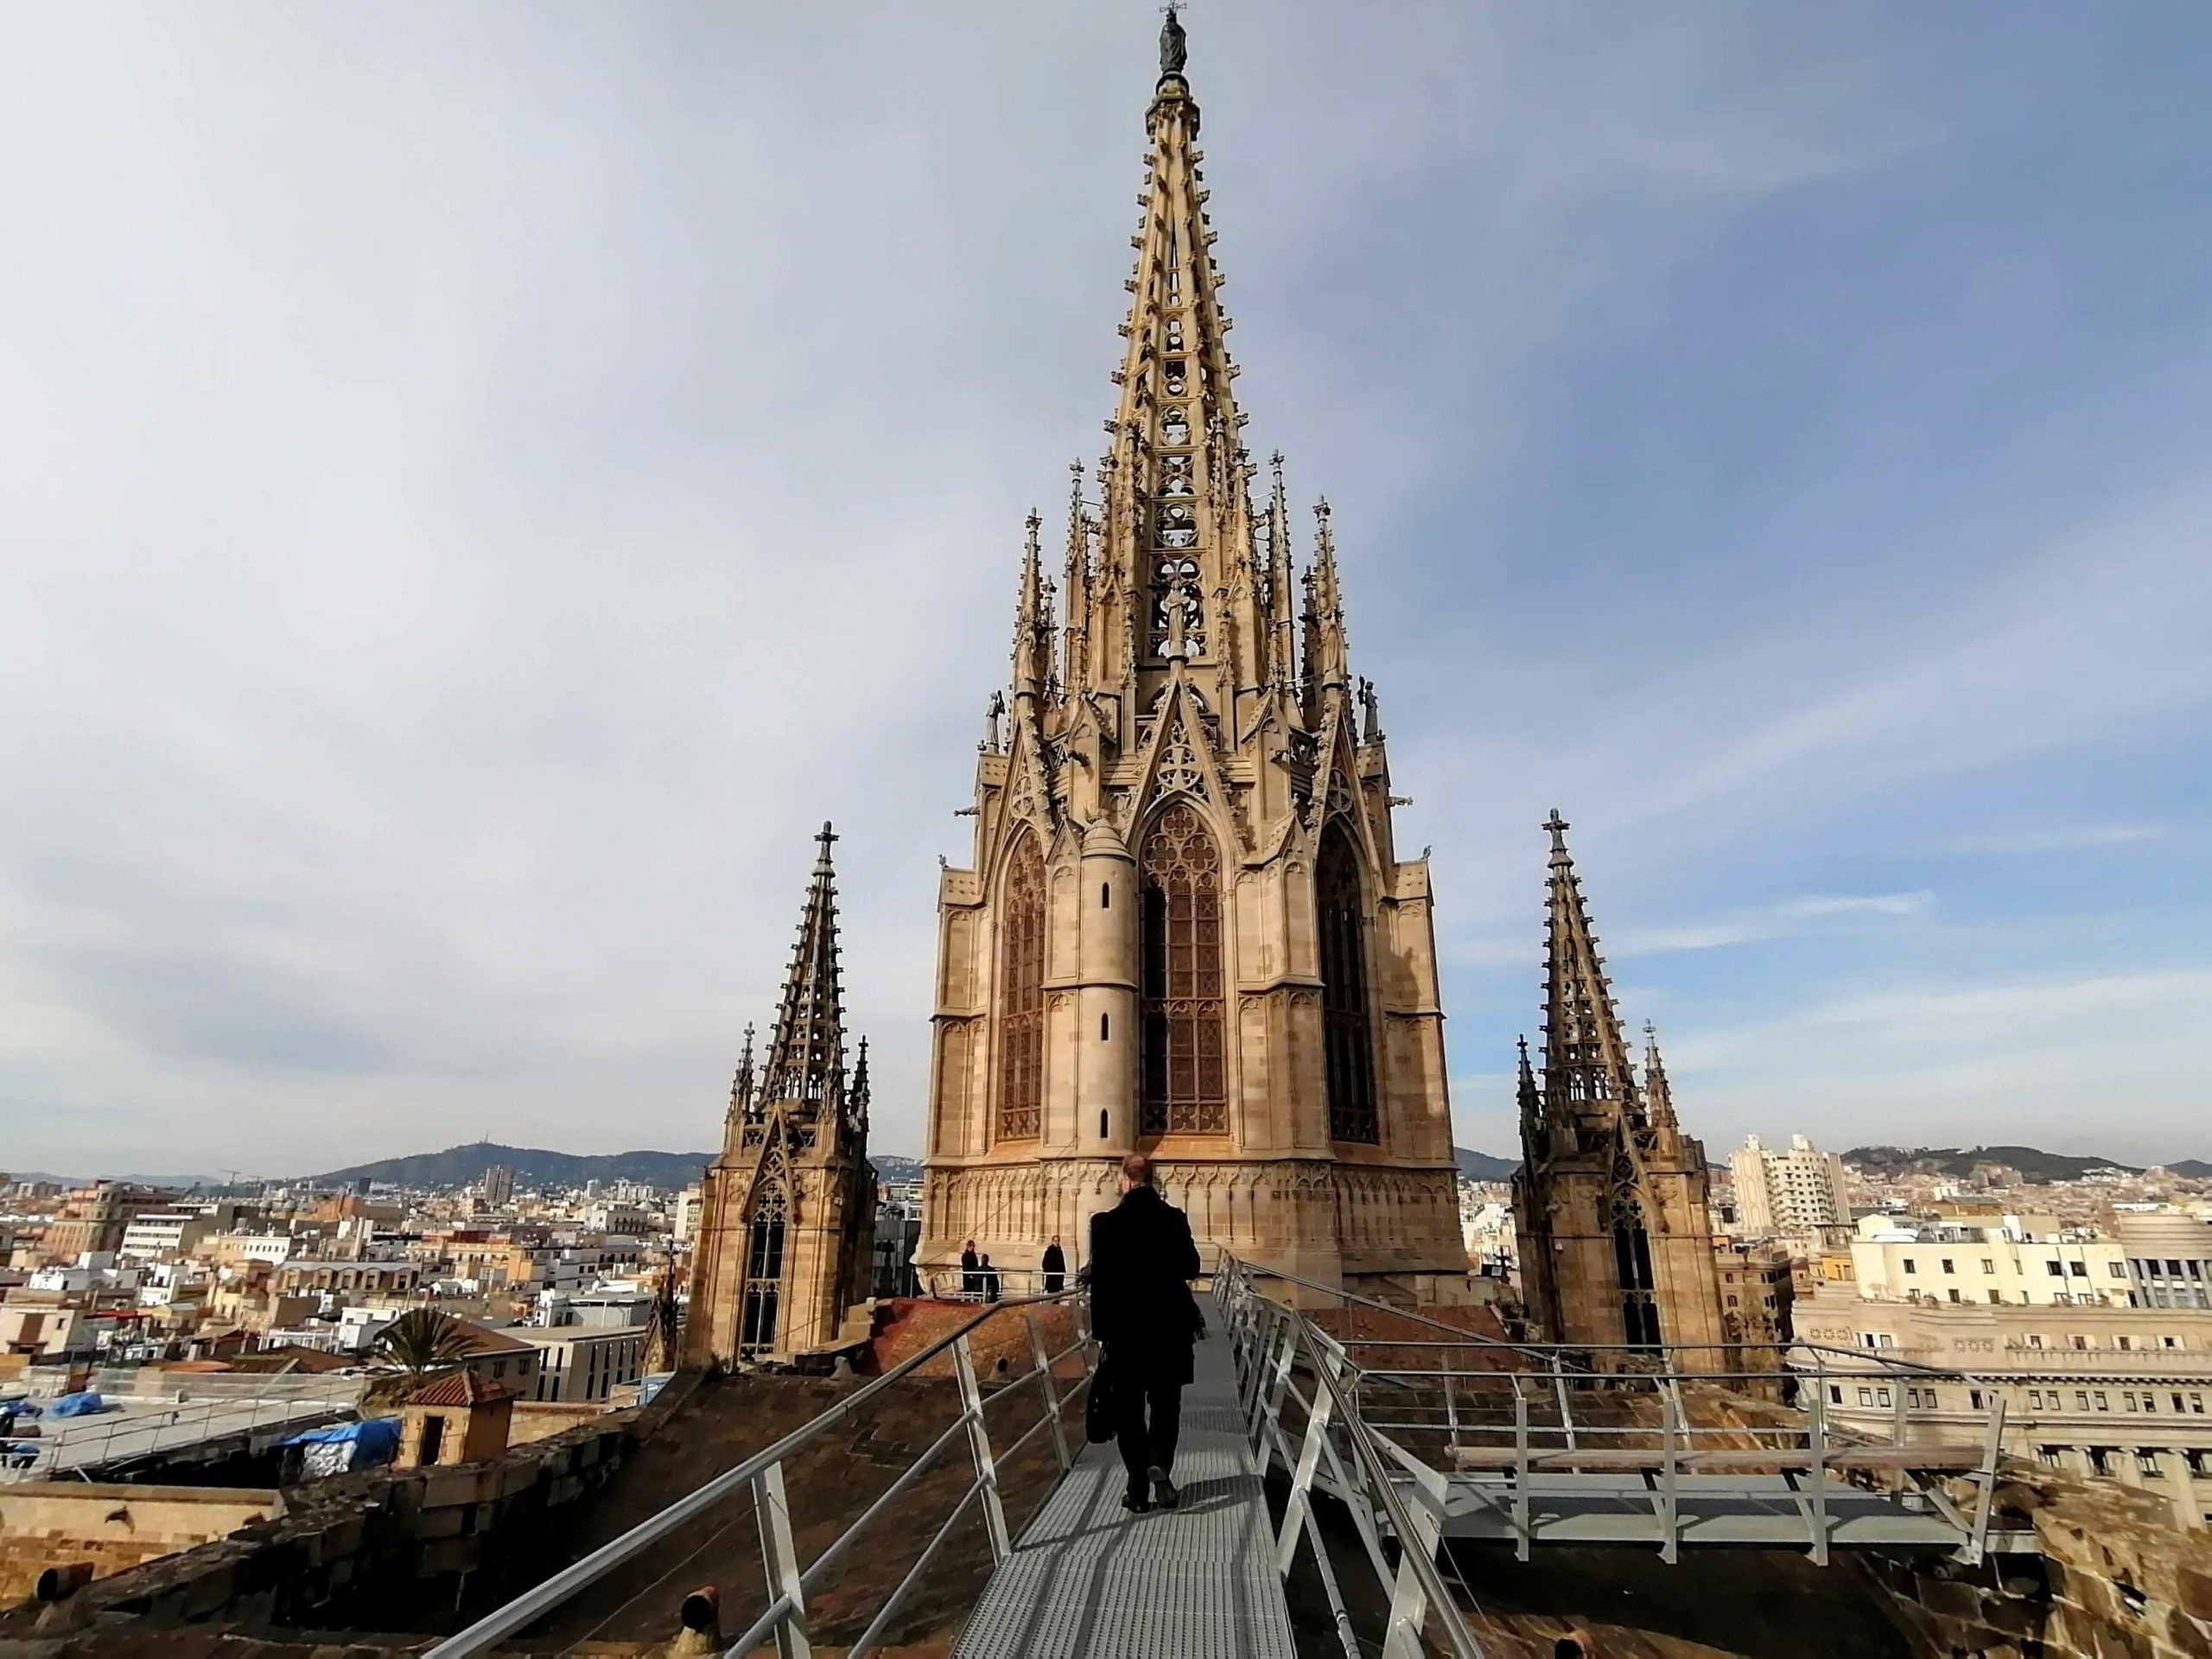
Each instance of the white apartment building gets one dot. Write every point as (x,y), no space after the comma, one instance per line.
(690,1203)
(586,1363)
(162,1234)
(2018,1264)
(1779,1194)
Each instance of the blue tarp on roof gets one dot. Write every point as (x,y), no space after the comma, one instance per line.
(86,1404)
(373,1436)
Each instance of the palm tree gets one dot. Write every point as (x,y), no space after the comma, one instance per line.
(424,1340)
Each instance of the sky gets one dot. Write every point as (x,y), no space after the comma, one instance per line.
(481,484)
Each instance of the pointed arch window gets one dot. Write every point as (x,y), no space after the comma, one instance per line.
(1186,1080)
(1632,1268)
(1022,994)
(763,1269)
(1347,1036)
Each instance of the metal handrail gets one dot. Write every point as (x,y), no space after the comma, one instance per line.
(1419,1586)
(785,1617)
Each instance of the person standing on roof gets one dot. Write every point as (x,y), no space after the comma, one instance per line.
(1142,1260)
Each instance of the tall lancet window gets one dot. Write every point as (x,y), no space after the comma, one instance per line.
(764,1270)
(1022,994)
(1632,1265)
(1185,1082)
(1347,1039)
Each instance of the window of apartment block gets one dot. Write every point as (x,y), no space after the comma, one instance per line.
(1948,1267)
(2146,1462)
(2099,1460)
(1866,1396)
(1954,1293)
(1882,1396)
(1907,1264)
(2117,1270)
(1996,1295)
(2046,1456)
(2034,1338)
(1835,1394)
(2101,1403)
(2079,1269)
(2080,1341)
(1988,1264)
(2057,1270)
(1975,1395)
(2081,1400)
(2127,1400)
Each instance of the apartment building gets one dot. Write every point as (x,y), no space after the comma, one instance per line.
(2168,1258)
(584,1363)
(2094,1388)
(1786,1194)
(2024,1262)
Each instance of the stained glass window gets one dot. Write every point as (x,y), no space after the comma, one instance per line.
(1347,1039)
(1185,1083)
(1022,994)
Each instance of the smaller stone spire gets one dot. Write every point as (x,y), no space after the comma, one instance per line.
(1327,658)
(856,1093)
(1075,653)
(740,1087)
(806,1053)
(1658,1094)
(1032,621)
(1282,583)
(1531,1103)
(1585,1060)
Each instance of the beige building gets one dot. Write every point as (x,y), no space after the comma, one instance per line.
(1187,928)
(2168,1258)
(789,1209)
(2093,1388)
(1612,1201)
(1798,1194)
(2024,1262)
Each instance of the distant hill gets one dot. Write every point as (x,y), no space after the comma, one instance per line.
(2033,1163)
(1481,1166)
(533,1167)
(2194,1169)
(536,1166)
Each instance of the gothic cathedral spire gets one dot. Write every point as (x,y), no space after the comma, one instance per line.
(1610,1201)
(1185,929)
(787,1211)
(807,1050)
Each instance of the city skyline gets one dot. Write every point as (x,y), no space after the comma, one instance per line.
(490,492)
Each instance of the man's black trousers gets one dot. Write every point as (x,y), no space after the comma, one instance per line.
(1148,1418)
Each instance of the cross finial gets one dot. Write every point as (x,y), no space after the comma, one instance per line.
(827,837)
(1559,827)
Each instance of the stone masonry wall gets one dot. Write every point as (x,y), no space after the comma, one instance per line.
(2116,1579)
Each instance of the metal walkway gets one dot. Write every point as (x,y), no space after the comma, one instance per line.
(1088,1579)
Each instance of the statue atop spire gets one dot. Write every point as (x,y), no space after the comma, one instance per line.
(1174,45)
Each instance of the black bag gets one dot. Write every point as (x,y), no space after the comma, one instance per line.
(1100,1409)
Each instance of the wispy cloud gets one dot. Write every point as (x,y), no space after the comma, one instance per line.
(1771,922)
(2089,837)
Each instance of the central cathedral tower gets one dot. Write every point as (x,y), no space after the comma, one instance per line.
(1187,930)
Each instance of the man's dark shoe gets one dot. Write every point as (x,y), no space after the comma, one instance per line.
(1163,1488)
(1135,1501)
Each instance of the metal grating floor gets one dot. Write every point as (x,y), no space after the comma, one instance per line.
(1089,1580)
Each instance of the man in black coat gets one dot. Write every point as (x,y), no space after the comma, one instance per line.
(1055,1266)
(1142,1260)
(970,1284)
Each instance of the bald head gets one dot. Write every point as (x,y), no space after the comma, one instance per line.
(1136,1171)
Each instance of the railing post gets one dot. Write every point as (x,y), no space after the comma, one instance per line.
(1565,1412)
(1524,1539)
(1271,1445)
(1401,1638)
(979,1442)
(1816,1440)
(1044,1361)
(1991,1450)
(1670,1543)
(779,1557)
(1297,1508)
